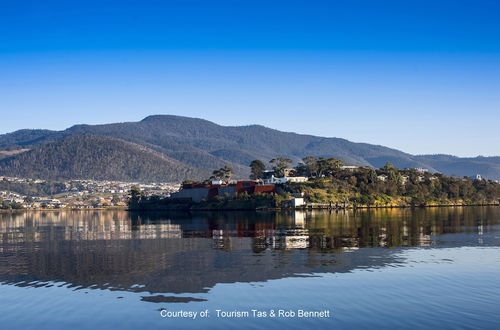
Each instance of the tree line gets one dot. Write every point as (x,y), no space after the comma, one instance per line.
(310,166)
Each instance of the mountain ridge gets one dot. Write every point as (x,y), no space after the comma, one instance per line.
(204,145)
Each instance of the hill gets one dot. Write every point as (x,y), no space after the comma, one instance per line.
(95,157)
(205,145)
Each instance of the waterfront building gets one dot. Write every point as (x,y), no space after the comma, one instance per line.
(197,192)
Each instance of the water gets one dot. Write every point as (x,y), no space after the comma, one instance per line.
(378,269)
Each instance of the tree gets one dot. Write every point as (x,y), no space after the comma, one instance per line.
(224,173)
(4,205)
(328,166)
(16,205)
(372,176)
(279,165)
(392,172)
(135,196)
(302,170)
(115,199)
(257,169)
(318,167)
(311,166)
(389,167)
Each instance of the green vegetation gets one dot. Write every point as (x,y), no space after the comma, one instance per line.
(9,206)
(279,165)
(388,186)
(224,173)
(257,168)
(136,197)
(318,167)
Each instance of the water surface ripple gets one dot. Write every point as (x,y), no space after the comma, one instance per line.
(384,269)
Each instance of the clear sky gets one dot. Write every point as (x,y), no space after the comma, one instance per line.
(420,76)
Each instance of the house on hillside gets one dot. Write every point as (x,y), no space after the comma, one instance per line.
(351,168)
(382,177)
(285,179)
(269,177)
(476,177)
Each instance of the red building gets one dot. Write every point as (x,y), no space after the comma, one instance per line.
(199,191)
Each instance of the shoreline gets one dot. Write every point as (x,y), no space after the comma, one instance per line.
(312,208)
(120,208)
(249,209)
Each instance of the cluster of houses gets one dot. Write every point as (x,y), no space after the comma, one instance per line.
(78,194)
(404,178)
(29,203)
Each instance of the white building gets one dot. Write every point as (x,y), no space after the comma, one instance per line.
(217,182)
(349,167)
(420,169)
(382,177)
(297,202)
(275,180)
(297,178)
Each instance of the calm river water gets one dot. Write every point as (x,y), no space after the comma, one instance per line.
(372,269)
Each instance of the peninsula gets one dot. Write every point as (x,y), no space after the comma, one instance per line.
(322,183)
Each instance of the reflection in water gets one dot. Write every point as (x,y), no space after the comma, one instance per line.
(178,253)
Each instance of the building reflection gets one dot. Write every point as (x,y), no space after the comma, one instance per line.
(182,252)
(325,230)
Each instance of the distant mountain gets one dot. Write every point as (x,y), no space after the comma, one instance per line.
(198,146)
(487,167)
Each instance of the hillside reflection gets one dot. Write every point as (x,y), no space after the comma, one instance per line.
(184,252)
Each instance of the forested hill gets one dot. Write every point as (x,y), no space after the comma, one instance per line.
(96,157)
(201,144)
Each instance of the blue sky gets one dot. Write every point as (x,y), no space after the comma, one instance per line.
(420,76)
